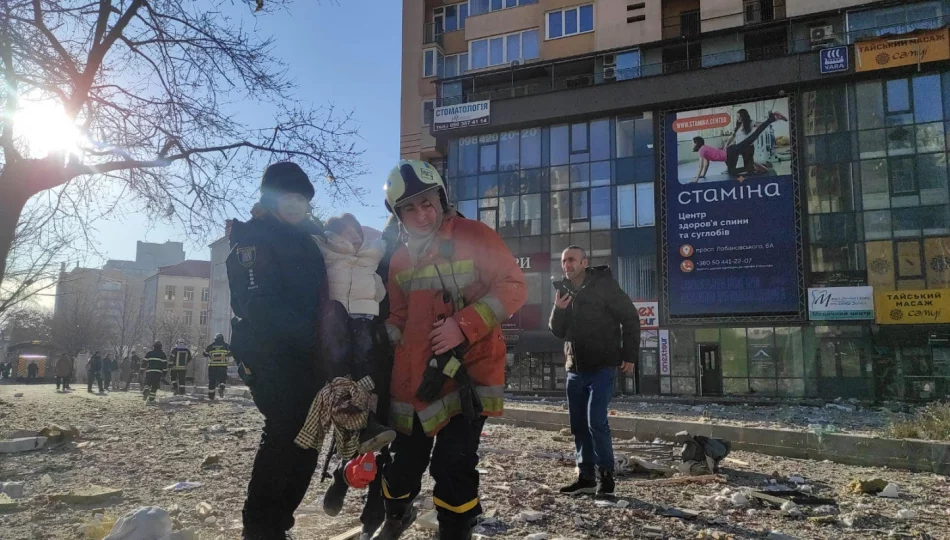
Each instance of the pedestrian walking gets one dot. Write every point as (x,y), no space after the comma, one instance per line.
(94,372)
(217,354)
(32,370)
(108,367)
(450,287)
(156,364)
(600,327)
(279,293)
(63,371)
(125,373)
(179,359)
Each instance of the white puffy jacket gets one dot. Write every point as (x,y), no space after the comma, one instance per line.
(352,273)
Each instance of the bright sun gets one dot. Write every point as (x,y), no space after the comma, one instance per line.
(43,128)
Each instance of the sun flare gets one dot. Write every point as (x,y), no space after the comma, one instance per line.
(43,128)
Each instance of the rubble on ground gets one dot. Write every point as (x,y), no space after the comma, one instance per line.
(142,450)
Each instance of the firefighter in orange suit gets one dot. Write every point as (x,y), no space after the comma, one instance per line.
(450,288)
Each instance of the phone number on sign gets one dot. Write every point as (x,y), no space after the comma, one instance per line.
(723,262)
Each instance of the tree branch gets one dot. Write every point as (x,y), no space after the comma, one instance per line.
(68,63)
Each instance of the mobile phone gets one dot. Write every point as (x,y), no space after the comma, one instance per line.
(561,287)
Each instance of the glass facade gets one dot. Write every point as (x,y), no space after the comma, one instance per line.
(874,177)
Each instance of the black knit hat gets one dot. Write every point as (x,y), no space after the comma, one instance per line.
(285,177)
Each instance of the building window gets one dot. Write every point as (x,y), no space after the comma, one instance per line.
(570,21)
(450,18)
(501,50)
(203,318)
(478,7)
(635,206)
(205,294)
(187,317)
(895,20)
(428,112)
(169,293)
(455,65)
(189,294)
(432,63)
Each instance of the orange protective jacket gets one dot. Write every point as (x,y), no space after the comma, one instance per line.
(472,263)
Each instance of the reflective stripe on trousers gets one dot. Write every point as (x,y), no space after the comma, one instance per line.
(438,413)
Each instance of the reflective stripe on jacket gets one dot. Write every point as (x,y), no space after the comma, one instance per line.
(471,262)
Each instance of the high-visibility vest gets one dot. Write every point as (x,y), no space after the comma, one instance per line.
(218,356)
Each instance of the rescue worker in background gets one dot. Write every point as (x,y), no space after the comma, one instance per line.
(135,365)
(155,365)
(31,372)
(94,371)
(217,354)
(108,367)
(180,357)
(279,292)
(450,287)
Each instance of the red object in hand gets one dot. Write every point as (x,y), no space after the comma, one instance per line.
(361,470)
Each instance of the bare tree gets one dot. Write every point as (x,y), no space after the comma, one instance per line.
(79,323)
(127,323)
(153,88)
(28,324)
(170,327)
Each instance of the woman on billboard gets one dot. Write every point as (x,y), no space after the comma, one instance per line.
(742,143)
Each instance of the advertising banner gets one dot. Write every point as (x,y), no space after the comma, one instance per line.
(649,315)
(903,50)
(476,113)
(731,237)
(841,304)
(930,306)
(833,60)
(665,353)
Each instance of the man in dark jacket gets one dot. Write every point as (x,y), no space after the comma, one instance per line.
(135,364)
(217,354)
(94,371)
(600,327)
(279,292)
(156,365)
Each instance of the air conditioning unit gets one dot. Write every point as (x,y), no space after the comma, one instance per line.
(610,73)
(821,35)
(515,63)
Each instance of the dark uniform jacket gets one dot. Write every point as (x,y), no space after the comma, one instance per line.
(155,360)
(279,292)
(95,363)
(179,358)
(218,353)
(600,327)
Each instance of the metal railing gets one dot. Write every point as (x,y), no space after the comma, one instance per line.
(542,77)
(432,34)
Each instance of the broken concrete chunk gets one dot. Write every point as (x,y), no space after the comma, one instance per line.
(204,509)
(530,515)
(23,444)
(90,495)
(18,394)
(46,480)
(870,487)
(6,503)
(776,535)
(537,536)
(906,513)
(14,490)
(428,521)
(211,460)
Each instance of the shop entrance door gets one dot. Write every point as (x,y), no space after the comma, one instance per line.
(710,366)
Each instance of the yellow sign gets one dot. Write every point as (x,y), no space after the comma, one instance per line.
(912,307)
(902,50)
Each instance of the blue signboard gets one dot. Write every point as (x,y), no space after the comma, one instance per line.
(833,59)
(730,223)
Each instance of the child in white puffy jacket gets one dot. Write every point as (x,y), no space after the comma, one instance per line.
(351,266)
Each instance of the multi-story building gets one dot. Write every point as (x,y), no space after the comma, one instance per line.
(766,178)
(149,257)
(177,300)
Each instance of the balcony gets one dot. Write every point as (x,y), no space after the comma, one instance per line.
(686,24)
(432,34)
(760,11)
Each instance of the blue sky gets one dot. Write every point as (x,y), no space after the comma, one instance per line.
(347,53)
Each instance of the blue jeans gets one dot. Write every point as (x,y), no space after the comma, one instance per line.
(588,395)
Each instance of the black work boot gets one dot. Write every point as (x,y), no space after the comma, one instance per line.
(374,436)
(584,485)
(336,493)
(393,527)
(455,532)
(211,395)
(221,390)
(605,487)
